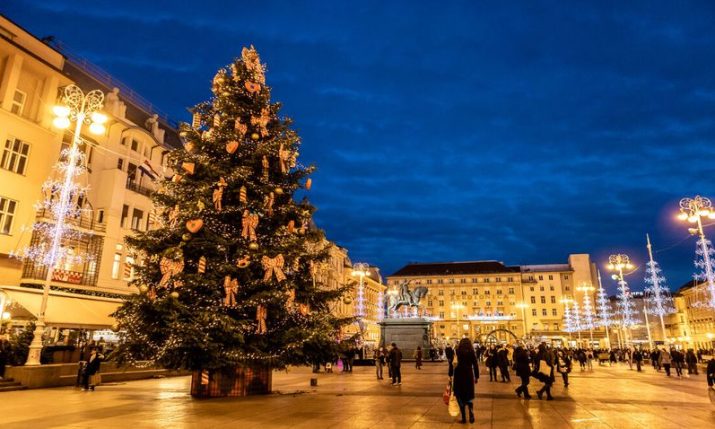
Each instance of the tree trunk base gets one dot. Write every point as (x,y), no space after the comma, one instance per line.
(240,381)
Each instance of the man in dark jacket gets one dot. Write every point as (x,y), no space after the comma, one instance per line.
(710,373)
(523,371)
(395,362)
(91,368)
(503,363)
(692,362)
(638,357)
(449,354)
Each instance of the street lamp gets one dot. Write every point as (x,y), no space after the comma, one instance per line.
(360,270)
(587,290)
(83,109)
(617,263)
(523,307)
(693,210)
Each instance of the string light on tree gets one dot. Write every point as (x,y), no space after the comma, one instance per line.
(62,196)
(568,318)
(693,210)
(587,311)
(657,293)
(604,309)
(617,263)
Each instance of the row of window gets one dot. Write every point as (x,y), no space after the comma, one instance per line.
(8,208)
(476,280)
(475,291)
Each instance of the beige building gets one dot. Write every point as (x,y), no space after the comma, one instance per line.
(490,301)
(121,167)
(692,325)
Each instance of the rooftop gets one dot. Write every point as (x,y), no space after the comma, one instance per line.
(451,268)
(545,268)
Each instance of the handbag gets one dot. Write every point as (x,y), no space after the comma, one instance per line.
(453,407)
(447,392)
(544,368)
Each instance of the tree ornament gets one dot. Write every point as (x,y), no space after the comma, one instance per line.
(189,147)
(266,166)
(308,183)
(253,245)
(195,121)
(174,216)
(171,264)
(304,309)
(218,194)
(278,191)
(186,236)
(347,300)
(230,287)
(242,195)
(290,299)
(194,225)
(188,167)
(253,63)
(176,178)
(200,206)
(291,226)
(174,294)
(240,128)
(202,265)
(255,136)
(249,223)
(283,157)
(261,316)
(262,121)
(232,146)
(207,135)
(218,81)
(273,266)
(217,120)
(243,262)
(268,203)
(143,288)
(252,87)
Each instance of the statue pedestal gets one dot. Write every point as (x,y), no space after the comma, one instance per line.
(408,334)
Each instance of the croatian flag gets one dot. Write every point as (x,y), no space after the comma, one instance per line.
(147,169)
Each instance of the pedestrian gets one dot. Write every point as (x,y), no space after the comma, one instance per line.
(449,355)
(581,356)
(612,358)
(665,361)
(418,358)
(710,373)
(655,359)
(523,371)
(90,376)
(4,354)
(544,371)
(492,364)
(395,362)
(638,357)
(379,362)
(589,359)
(466,374)
(563,366)
(503,363)
(692,362)
(678,360)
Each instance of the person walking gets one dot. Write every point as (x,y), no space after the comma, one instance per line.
(563,366)
(466,375)
(4,354)
(395,362)
(638,357)
(379,362)
(678,360)
(449,355)
(665,361)
(544,371)
(692,362)
(492,364)
(655,359)
(418,358)
(503,364)
(523,371)
(91,370)
(710,373)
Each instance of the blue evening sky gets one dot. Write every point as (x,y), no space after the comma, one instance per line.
(452,130)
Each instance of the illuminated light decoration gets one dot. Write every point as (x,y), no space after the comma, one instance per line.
(380,306)
(625,304)
(496,318)
(576,317)
(693,210)
(361,270)
(657,293)
(568,319)
(587,311)
(605,317)
(61,201)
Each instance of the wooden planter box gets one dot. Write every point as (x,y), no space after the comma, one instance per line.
(241,381)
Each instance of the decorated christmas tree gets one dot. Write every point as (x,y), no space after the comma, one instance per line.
(227,281)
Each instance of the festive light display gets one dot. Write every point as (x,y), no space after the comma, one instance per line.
(625,304)
(693,210)
(361,270)
(576,317)
(380,306)
(568,318)
(657,293)
(605,315)
(588,319)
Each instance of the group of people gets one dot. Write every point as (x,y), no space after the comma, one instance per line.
(393,360)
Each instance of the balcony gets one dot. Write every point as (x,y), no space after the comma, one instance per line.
(66,276)
(85,221)
(139,189)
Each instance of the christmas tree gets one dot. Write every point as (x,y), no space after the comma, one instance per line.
(227,281)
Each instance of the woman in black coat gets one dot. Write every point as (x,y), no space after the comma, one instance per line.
(523,371)
(466,374)
(91,368)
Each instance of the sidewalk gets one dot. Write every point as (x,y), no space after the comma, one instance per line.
(606,398)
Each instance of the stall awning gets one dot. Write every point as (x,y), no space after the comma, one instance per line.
(67,310)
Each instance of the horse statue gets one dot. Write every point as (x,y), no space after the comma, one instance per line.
(405,297)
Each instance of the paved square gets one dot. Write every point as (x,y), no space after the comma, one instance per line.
(605,398)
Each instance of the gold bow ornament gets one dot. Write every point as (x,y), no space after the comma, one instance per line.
(273,266)
(230,287)
(171,264)
(250,223)
(261,316)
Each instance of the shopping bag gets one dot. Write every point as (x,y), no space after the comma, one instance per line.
(453,407)
(447,392)
(544,368)
(95,379)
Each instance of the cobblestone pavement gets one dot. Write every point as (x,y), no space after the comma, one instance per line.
(608,397)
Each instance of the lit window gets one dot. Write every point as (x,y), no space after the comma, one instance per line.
(7,214)
(553,299)
(14,156)
(543,300)
(543,312)
(137,216)
(554,312)
(533,312)
(18,102)
(533,300)
(116,264)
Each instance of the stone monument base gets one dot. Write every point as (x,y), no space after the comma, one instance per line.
(408,334)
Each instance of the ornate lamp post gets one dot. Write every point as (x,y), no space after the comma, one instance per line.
(523,307)
(617,263)
(693,210)
(83,109)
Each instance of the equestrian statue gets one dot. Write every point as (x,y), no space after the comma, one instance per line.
(405,297)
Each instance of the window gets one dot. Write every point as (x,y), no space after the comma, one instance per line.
(463,280)
(100,216)
(500,303)
(510,279)
(486,292)
(451,281)
(125,214)
(511,291)
(543,300)
(567,288)
(533,312)
(464,293)
(556,326)
(553,299)
(498,291)
(474,291)
(14,156)
(429,281)
(7,213)
(441,303)
(551,277)
(541,288)
(440,281)
(543,312)
(441,316)
(115,265)
(135,145)
(554,312)
(440,292)
(551,287)
(566,276)
(533,300)
(137,217)
(498,279)
(486,280)
(131,173)
(429,303)
(489,303)
(541,277)
(18,102)
(120,164)
(531,288)
(474,280)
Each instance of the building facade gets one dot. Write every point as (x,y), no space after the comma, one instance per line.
(692,325)
(489,301)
